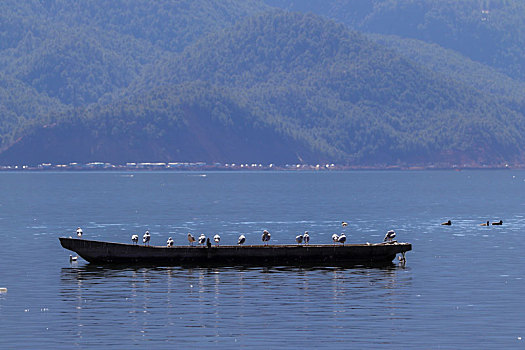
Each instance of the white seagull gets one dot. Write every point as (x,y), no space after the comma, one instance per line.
(169,242)
(202,238)
(241,240)
(344,224)
(390,235)
(306,237)
(335,238)
(266,237)
(79,232)
(217,239)
(146,237)
(191,238)
(342,238)
(72,258)
(299,239)
(135,239)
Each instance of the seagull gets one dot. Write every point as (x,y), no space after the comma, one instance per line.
(191,238)
(146,237)
(72,258)
(344,224)
(299,239)
(135,239)
(79,232)
(448,223)
(498,222)
(390,235)
(335,238)
(217,239)
(306,237)
(202,238)
(241,240)
(342,238)
(266,237)
(485,224)
(169,243)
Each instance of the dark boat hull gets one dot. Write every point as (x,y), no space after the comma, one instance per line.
(99,252)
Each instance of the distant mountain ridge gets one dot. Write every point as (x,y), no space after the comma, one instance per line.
(251,84)
(489,32)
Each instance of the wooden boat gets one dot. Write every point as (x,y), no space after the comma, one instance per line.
(99,252)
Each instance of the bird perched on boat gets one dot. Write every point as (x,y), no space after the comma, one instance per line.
(498,222)
(146,237)
(344,224)
(335,238)
(202,238)
(72,258)
(191,238)
(208,243)
(390,235)
(241,240)
(135,239)
(79,232)
(342,238)
(266,237)
(299,239)
(169,242)
(447,223)
(217,239)
(306,237)
(485,224)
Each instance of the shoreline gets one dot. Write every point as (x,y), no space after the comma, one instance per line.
(179,167)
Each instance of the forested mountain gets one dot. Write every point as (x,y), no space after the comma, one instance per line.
(75,52)
(487,31)
(455,66)
(235,81)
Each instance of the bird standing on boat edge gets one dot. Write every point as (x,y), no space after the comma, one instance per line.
(390,235)
(79,232)
(202,239)
(266,237)
(299,239)
(241,240)
(191,238)
(447,223)
(342,239)
(306,237)
(335,238)
(135,239)
(169,242)
(217,239)
(208,243)
(146,238)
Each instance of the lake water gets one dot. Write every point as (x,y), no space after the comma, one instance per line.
(462,287)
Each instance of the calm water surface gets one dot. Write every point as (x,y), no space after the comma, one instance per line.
(462,286)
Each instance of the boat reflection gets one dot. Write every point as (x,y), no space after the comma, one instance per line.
(208,298)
